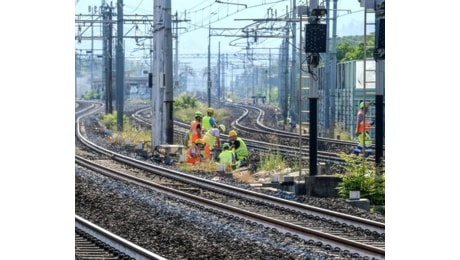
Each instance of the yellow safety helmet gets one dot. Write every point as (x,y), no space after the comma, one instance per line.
(210,110)
(222,127)
(199,141)
(232,133)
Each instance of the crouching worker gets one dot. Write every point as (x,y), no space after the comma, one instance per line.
(194,152)
(227,157)
(240,149)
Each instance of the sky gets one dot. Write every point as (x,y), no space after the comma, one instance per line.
(38,65)
(196,15)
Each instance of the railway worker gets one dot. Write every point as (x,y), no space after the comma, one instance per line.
(208,120)
(239,148)
(195,128)
(362,128)
(227,157)
(194,152)
(212,140)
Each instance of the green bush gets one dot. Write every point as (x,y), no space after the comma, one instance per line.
(362,175)
(185,101)
(90,95)
(130,135)
(269,162)
(110,121)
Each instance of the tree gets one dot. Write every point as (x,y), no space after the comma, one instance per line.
(352,47)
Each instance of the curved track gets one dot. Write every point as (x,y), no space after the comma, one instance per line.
(285,207)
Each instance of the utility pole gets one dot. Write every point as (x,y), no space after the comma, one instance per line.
(176,56)
(224,77)
(327,80)
(169,97)
(285,46)
(157,76)
(92,10)
(218,76)
(330,79)
(107,54)
(293,71)
(209,66)
(162,87)
(76,75)
(269,75)
(177,86)
(333,57)
(120,73)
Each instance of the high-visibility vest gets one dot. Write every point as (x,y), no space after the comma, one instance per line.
(206,124)
(193,154)
(210,137)
(195,134)
(226,157)
(242,151)
(360,127)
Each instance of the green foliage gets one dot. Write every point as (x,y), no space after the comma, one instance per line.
(362,175)
(110,121)
(89,95)
(274,94)
(130,135)
(185,107)
(352,47)
(341,133)
(185,101)
(270,161)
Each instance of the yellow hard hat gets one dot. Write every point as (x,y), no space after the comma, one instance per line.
(232,133)
(199,141)
(210,110)
(222,127)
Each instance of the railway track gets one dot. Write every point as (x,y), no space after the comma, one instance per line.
(293,147)
(94,242)
(367,236)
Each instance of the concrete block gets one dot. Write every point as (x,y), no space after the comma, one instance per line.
(288,179)
(323,186)
(360,203)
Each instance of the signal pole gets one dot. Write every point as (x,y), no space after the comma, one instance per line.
(315,43)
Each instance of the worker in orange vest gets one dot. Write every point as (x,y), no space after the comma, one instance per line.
(362,128)
(195,128)
(194,152)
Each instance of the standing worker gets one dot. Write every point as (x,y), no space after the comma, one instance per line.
(239,148)
(362,128)
(208,120)
(195,128)
(212,140)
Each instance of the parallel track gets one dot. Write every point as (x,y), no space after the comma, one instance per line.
(297,210)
